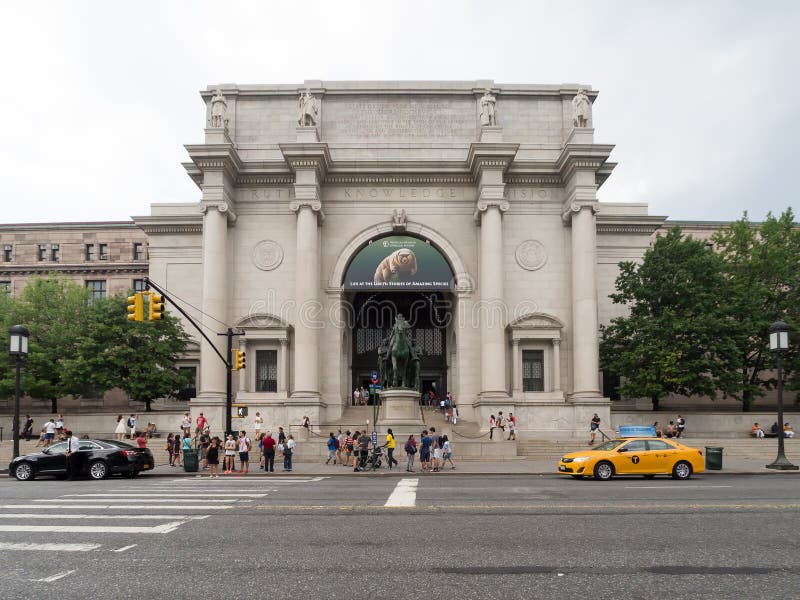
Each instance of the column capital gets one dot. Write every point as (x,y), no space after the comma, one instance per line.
(573,208)
(484,204)
(556,342)
(223,207)
(315,204)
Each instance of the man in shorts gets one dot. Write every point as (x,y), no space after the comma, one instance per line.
(244,453)
(50,432)
(434,437)
(424,450)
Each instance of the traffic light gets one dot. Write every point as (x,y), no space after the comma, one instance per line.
(136,307)
(238,360)
(155,307)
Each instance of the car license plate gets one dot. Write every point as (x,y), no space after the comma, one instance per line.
(146,465)
(562,468)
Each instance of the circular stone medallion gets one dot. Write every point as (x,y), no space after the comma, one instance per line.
(531,255)
(267,255)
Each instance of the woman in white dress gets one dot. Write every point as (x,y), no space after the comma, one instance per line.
(258,423)
(121,430)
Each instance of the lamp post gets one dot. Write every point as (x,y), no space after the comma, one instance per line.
(779,343)
(18,348)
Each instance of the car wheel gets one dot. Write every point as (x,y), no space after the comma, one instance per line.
(98,470)
(24,472)
(682,470)
(648,476)
(604,471)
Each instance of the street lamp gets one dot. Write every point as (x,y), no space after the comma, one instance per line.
(18,348)
(779,343)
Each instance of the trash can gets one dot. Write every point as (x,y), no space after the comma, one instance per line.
(190,460)
(713,458)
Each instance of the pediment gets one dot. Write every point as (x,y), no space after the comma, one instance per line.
(262,321)
(536,321)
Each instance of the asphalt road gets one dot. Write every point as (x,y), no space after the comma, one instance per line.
(444,536)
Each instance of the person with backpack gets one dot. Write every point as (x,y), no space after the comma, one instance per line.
(411,450)
(288,451)
(331,449)
(132,426)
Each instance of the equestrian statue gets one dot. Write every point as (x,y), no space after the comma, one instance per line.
(398,358)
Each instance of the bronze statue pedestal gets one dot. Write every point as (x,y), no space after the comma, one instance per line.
(400,407)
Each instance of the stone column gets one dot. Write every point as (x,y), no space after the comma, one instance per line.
(215,297)
(516,361)
(307,325)
(283,368)
(556,365)
(585,342)
(492,309)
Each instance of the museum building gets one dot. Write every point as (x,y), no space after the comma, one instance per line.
(470,208)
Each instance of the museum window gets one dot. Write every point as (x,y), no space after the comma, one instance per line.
(189,389)
(138,251)
(97,287)
(611,383)
(89,251)
(138,285)
(8,253)
(55,252)
(42,252)
(266,370)
(532,370)
(5,287)
(103,251)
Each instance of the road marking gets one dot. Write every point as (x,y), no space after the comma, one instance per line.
(51,547)
(165,528)
(672,486)
(195,496)
(136,500)
(125,548)
(94,517)
(56,577)
(121,506)
(404,494)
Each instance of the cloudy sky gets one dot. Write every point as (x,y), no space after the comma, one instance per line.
(701,98)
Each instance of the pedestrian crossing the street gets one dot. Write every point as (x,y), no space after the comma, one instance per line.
(155,507)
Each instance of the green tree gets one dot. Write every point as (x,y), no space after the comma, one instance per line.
(674,339)
(761,264)
(138,358)
(53,309)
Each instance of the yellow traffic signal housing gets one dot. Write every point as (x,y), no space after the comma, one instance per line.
(136,307)
(238,360)
(155,306)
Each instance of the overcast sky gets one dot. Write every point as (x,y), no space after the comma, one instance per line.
(700,98)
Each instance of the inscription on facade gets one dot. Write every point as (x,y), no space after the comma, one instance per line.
(400,193)
(262,194)
(512,193)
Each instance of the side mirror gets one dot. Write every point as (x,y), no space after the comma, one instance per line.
(622,450)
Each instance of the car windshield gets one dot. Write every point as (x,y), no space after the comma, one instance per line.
(610,445)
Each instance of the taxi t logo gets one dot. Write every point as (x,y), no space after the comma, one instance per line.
(635,460)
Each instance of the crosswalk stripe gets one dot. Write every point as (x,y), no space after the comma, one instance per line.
(121,506)
(404,494)
(95,517)
(52,547)
(164,528)
(194,496)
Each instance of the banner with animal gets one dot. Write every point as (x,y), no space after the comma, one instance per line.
(399,262)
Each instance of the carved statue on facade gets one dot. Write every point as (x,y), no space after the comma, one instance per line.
(398,358)
(582,109)
(307,109)
(219,108)
(488,117)
(399,219)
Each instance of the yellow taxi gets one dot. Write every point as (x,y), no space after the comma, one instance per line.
(646,456)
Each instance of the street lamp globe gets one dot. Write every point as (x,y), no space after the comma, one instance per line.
(778,336)
(18,340)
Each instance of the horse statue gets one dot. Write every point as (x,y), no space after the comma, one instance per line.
(399,358)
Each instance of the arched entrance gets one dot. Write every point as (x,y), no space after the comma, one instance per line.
(400,274)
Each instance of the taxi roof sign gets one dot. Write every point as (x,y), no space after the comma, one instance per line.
(626,431)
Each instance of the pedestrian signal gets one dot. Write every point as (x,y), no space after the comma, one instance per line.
(136,307)
(154,307)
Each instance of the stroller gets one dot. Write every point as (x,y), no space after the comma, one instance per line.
(374,460)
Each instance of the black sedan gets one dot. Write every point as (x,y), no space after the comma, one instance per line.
(96,458)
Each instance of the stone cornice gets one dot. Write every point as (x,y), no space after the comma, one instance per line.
(532,179)
(307,155)
(591,157)
(490,155)
(249,180)
(213,157)
(170,224)
(629,224)
(89,268)
(415,178)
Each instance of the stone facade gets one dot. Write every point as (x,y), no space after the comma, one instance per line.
(110,257)
(286,205)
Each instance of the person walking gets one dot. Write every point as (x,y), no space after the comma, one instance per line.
(212,456)
(73,445)
(425,451)
(354,450)
(492,425)
(390,445)
(205,444)
(288,452)
(268,444)
(594,425)
(120,430)
(258,423)
(244,453)
(27,430)
(132,425)
(680,425)
(447,453)
(169,448)
(339,446)
(363,451)
(436,448)
(512,426)
(331,449)
(411,450)
(176,450)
